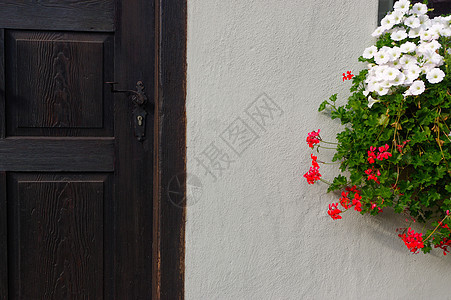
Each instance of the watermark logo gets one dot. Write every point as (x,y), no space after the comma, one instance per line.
(177,187)
(220,154)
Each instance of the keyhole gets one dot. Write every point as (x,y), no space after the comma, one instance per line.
(140,120)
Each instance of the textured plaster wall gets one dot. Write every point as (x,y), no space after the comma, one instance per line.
(257,230)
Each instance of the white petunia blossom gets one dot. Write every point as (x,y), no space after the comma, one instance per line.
(369,52)
(381,57)
(413,71)
(406,60)
(398,16)
(381,90)
(435,75)
(419,9)
(390,73)
(387,22)
(416,88)
(426,35)
(395,64)
(412,22)
(399,35)
(402,6)
(371,101)
(414,32)
(399,79)
(395,53)
(379,30)
(408,47)
(425,22)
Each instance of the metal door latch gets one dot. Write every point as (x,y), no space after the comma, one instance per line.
(139,99)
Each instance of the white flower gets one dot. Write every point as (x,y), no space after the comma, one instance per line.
(395,53)
(419,9)
(365,93)
(387,22)
(395,64)
(381,90)
(436,59)
(398,16)
(386,84)
(406,60)
(432,46)
(446,31)
(412,72)
(369,52)
(379,30)
(371,101)
(408,47)
(416,88)
(398,79)
(402,6)
(399,35)
(414,32)
(435,75)
(425,22)
(412,22)
(379,72)
(426,35)
(390,73)
(435,30)
(381,57)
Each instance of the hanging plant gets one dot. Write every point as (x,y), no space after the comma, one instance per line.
(396,143)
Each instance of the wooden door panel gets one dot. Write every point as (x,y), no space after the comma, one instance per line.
(56,83)
(92,15)
(56,225)
(84,211)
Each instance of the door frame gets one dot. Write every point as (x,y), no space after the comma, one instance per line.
(170,148)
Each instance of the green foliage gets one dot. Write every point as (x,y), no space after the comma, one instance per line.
(416,178)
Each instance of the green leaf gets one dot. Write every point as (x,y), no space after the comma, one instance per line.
(323,105)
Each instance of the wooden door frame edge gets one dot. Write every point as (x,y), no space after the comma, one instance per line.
(170,148)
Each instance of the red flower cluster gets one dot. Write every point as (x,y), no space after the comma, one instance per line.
(444,245)
(383,153)
(371,155)
(313,174)
(400,147)
(346,202)
(373,176)
(334,212)
(356,202)
(413,240)
(313,138)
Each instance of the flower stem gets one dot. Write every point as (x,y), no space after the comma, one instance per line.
(325,181)
(327,148)
(439,223)
(330,163)
(332,143)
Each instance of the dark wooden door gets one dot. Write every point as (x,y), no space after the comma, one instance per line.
(76,186)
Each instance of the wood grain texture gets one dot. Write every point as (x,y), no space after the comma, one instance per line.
(171,154)
(58,225)
(56,83)
(134,60)
(75,15)
(3,239)
(58,154)
(2,85)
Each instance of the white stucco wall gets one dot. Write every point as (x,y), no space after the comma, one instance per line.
(259,231)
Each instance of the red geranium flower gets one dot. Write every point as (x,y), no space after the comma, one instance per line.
(313,138)
(334,212)
(413,240)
